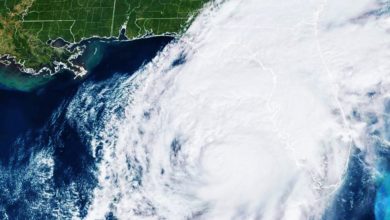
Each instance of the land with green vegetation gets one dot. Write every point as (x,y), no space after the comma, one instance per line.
(27,26)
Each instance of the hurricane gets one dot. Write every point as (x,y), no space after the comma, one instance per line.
(261,110)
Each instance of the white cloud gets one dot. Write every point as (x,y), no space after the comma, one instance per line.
(260,108)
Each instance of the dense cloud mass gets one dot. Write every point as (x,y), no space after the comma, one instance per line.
(254,113)
(263,109)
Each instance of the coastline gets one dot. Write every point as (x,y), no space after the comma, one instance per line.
(22,111)
(15,76)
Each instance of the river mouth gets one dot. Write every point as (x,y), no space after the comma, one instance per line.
(31,109)
(35,121)
(100,56)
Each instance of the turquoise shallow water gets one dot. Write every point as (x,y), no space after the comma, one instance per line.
(382,200)
(47,170)
(12,79)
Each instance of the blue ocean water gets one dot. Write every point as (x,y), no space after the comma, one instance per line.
(382,201)
(356,197)
(47,169)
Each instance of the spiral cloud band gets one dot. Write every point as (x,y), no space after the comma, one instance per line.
(250,115)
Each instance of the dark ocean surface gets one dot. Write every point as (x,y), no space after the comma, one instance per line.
(35,122)
(47,166)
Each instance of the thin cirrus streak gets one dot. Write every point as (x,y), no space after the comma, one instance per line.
(250,115)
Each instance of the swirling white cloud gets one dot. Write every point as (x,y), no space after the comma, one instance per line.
(256,120)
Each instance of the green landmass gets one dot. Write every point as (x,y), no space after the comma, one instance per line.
(26,26)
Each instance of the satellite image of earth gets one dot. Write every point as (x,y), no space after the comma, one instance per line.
(195,109)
